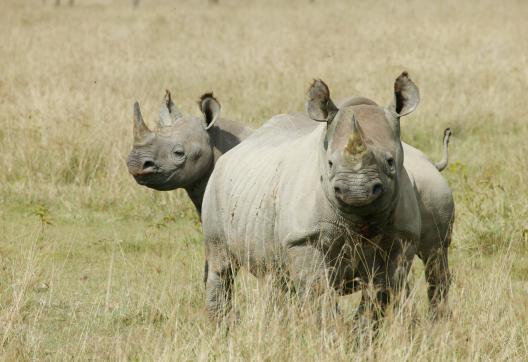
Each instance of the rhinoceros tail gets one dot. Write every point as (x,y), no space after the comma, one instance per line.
(442,164)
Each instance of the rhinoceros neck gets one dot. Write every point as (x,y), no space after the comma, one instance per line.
(227,134)
(224,135)
(196,191)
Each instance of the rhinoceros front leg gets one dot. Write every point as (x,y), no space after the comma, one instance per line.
(375,296)
(307,272)
(221,272)
(384,274)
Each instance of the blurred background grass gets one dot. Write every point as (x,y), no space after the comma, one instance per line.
(95,267)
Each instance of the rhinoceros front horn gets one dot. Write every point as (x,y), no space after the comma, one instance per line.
(355,145)
(140,128)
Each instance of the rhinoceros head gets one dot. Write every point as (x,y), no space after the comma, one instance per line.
(179,152)
(362,145)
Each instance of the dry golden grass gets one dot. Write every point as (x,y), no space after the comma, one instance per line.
(94,267)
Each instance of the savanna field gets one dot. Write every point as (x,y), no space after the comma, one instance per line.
(96,267)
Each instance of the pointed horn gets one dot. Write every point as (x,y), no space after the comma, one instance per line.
(168,112)
(356,145)
(140,128)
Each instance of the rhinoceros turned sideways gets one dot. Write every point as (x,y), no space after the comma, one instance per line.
(183,151)
(331,203)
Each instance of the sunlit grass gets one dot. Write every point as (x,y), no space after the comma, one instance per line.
(92,266)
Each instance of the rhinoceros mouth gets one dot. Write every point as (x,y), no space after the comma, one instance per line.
(159,180)
(159,185)
(357,190)
(150,179)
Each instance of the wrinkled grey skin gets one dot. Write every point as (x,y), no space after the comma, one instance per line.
(340,203)
(183,150)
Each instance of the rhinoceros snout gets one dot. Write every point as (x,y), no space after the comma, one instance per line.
(141,167)
(357,195)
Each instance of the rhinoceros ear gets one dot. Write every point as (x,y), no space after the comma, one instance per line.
(210,108)
(319,106)
(406,96)
(169,113)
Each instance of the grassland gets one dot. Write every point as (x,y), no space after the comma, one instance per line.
(93,266)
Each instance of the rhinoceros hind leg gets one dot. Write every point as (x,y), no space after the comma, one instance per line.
(437,275)
(433,251)
(438,279)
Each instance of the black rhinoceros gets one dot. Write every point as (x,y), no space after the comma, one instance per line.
(329,199)
(183,151)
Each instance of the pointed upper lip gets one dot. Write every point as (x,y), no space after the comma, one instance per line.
(144,172)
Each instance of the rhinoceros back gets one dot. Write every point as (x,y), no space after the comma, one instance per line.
(265,189)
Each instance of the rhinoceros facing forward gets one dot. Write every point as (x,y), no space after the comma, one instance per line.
(340,202)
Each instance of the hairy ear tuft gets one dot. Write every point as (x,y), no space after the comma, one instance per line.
(210,108)
(319,105)
(406,95)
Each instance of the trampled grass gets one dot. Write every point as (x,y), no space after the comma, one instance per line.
(92,266)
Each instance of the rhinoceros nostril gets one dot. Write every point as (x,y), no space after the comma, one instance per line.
(337,190)
(148,164)
(377,189)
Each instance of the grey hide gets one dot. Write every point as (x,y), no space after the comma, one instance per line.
(182,152)
(332,203)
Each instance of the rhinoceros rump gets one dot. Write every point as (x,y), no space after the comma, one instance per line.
(183,151)
(341,203)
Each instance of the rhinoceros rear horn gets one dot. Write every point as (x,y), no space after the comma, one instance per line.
(406,95)
(169,113)
(210,108)
(319,106)
(140,128)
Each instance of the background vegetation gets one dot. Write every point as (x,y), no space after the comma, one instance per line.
(92,266)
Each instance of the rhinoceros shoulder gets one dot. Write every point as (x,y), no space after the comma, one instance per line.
(282,128)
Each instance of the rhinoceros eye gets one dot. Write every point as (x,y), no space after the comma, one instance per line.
(391,165)
(178,151)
